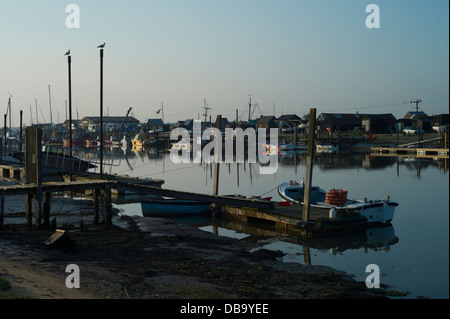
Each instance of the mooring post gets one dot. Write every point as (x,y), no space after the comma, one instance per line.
(2,211)
(96,202)
(29,209)
(216,159)
(101,113)
(107,203)
(46,211)
(309,163)
(33,167)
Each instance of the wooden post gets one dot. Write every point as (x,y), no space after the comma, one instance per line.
(46,211)
(29,209)
(2,211)
(309,164)
(96,202)
(101,113)
(33,166)
(216,164)
(107,211)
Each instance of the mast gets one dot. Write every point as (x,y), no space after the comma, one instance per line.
(50,103)
(37,117)
(9,110)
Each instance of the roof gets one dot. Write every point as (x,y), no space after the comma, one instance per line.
(340,118)
(265,119)
(155,122)
(111,119)
(289,117)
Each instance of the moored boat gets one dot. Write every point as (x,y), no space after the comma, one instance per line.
(172,207)
(327,148)
(337,203)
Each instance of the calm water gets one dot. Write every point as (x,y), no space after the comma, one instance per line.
(413,254)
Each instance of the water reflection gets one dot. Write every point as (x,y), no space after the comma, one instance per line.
(293,246)
(421,225)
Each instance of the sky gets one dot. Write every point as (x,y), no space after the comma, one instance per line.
(287,55)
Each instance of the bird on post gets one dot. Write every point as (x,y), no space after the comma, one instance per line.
(101,46)
(67,53)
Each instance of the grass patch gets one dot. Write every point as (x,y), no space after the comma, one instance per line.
(5,286)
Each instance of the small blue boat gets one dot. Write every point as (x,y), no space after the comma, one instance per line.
(172,207)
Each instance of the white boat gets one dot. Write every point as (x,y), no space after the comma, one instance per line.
(336,202)
(327,148)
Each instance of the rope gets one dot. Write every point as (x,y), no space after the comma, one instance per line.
(269,191)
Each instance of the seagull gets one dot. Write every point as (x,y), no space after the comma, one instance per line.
(101,46)
(67,53)
(157,112)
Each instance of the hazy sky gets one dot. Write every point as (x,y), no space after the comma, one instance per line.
(294,54)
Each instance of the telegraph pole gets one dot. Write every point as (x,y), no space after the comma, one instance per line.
(416,102)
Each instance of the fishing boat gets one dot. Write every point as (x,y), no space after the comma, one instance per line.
(336,202)
(172,207)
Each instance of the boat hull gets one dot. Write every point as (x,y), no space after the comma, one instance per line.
(172,207)
(374,211)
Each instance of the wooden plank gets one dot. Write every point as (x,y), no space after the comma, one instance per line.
(197,197)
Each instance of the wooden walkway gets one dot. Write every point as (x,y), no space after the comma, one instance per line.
(407,151)
(42,198)
(290,219)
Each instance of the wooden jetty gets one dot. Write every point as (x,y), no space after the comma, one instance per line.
(290,219)
(42,212)
(409,151)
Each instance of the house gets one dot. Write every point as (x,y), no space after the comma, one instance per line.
(420,119)
(373,123)
(378,123)
(91,123)
(153,124)
(266,122)
(330,122)
(289,121)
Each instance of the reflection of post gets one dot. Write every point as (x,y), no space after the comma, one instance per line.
(216,162)
(309,164)
(307,256)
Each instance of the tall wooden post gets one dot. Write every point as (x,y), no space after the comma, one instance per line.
(33,167)
(96,202)
(69,62)
(2,211)
(216,161)
(309,164)
(107,212)
(101,113)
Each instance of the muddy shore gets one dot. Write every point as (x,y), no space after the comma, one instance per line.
(156,258)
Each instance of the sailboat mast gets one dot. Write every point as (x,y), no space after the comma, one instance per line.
(9,110)
(50,103)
